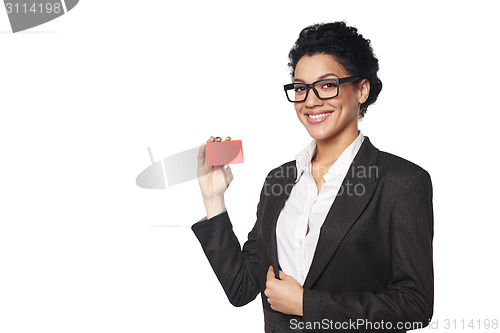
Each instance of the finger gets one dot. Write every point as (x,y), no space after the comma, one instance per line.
(211,139)
(226,180)
(282,275)
(228,138)
(270,274)
(201,156)
(228,173)
(201,153)
(218,138)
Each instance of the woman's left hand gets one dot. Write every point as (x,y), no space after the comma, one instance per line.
(284,295)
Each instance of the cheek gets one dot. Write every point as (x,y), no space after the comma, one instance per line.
(346,103)
(336,103)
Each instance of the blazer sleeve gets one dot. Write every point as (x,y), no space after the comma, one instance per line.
(236,268)
(409,296)
(205,218)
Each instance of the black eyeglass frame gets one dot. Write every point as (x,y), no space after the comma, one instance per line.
(309,86)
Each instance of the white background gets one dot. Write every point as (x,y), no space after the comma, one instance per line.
(83,249)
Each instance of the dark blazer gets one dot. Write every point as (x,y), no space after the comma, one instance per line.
(373,262)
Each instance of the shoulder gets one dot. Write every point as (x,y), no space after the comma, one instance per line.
(285,170)
(397,170)
(398,165)
(386,166)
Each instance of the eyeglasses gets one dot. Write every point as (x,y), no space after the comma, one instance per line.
(323,89)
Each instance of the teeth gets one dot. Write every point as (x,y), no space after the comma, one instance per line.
(319,115)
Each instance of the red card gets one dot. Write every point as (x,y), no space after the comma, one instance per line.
(224,152)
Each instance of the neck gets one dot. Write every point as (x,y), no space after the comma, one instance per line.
(329,150)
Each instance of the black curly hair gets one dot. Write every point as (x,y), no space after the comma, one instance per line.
(353,52)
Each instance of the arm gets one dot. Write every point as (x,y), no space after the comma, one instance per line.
(235,268)
(410,294)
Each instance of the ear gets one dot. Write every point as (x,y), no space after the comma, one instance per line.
(364,90)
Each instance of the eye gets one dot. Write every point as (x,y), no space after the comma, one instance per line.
(299,89)
(329,85)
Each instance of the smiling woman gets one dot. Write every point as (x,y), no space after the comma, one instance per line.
(332,248)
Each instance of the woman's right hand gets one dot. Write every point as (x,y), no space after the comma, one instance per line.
(213,180)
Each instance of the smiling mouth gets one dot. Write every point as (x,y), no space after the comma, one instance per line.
(318,116)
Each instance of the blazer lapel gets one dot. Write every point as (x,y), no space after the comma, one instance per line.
(277,191)
(353,196)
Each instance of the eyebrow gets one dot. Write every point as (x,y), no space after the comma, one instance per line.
(324,76)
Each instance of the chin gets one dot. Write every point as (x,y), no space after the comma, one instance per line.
(321,135)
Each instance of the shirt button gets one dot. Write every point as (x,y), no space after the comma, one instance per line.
(300,243)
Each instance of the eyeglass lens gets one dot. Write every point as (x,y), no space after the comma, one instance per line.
(326,89)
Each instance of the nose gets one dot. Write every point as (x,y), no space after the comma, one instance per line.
(312,100)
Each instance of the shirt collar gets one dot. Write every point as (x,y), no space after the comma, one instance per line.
(341,165)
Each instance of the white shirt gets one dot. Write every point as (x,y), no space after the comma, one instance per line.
(306,206)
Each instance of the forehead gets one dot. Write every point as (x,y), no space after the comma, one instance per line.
(309,68)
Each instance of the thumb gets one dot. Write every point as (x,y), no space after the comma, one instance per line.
(228,172)
(270,273)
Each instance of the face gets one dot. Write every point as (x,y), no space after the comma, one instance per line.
(342,111)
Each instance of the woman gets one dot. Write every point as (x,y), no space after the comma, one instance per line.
(343,237)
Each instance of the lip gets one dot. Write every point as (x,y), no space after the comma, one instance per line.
(319,120)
